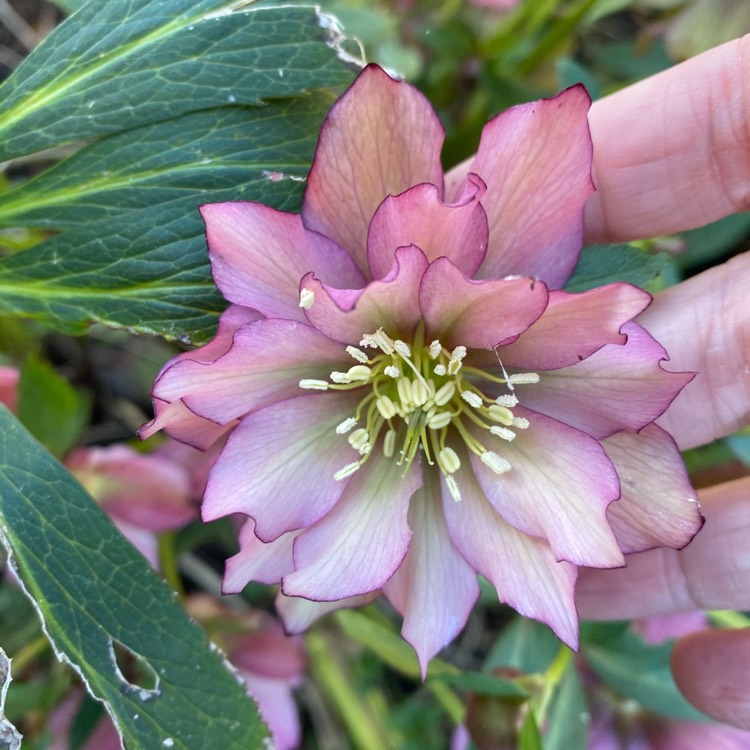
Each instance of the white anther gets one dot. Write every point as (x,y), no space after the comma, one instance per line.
(501,414)
(345,426)
(458,353)
(498,464)
(347,471)
(364,449)
(452,486)
(359,438)
(521,423)
(368,340)
(439,419)
(435,348)
(306,298)
(386,407)
(454,366)
(357,354)
(445,393)
(508,400)
(449,461)
(359,372)
(503,432)
(310,384)
(389,443)
(471,398)
(439,370)
(419,393)
(404,392)
(392,371)
(402,348)
(383,341)
(524,378)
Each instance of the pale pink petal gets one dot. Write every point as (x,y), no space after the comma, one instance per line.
(143,540)
(269,652)
(258,255)
(298,614)
(659,628)
(267,360)
(574,326)
(522,568)
(559,487)
(9,387)
(256,561)
(391,303)
(278,708)
(477,314)
(616,388)
(536,161)
(357,547)
(265,469)
(144,490)
(693,735)
(434,589)
(380,138)
(197,463)
(658,506)
(418,217)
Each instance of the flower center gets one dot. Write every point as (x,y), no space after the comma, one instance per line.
(414,395)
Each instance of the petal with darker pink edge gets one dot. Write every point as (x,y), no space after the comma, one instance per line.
(522,568)
(536,161)
(418,217)
(258,255)
(264,470)
(658,507)
(298,614)
(574,326)
(380,138)
(258,561)
(477,314)
(619,387)
(434,589)
(558,488)
(391,303)
(358,545)
(267,360)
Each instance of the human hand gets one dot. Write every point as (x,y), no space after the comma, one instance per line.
(671,153)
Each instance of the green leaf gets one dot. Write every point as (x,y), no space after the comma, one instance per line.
(567,718)
(135,254)
(526,645)
(50,408)
(96,596)
(635,669)
(606,264)
(118,65)
(529,738)
(485,684)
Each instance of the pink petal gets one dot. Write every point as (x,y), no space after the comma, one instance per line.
(9,387)
(522,568)
(616,388)
(264,470)
(536,161)
(357,547)
(380,138)
(658,507)
(256,561)
(477,314)
(258,255)
(574,326)
(435,588)
(143,540)
(278,708)
(267,360)
(693,735)
(269,652)
(418,217)
(298,614)
(391,303)
(559,487)
(659,628)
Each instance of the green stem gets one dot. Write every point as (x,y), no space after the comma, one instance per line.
(168,561)
(336,685)
(28,653)
(729,619)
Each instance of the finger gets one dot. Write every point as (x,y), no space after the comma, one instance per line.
(711,668)
(704,324)
(712,572)
(672,152)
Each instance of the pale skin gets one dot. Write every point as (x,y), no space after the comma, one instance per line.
(672,153)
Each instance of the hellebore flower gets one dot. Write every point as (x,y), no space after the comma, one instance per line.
(412,399)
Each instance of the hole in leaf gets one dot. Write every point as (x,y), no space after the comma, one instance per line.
(134,671)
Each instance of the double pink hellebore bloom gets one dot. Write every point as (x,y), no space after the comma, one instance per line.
(412,399)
